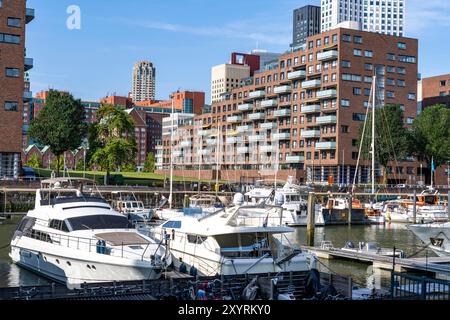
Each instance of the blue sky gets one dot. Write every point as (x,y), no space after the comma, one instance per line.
(183,38)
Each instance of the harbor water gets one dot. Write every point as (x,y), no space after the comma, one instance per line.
(386,236)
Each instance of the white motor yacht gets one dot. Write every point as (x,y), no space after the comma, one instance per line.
(228,243)
(127,204)
(436,235)
(74,237)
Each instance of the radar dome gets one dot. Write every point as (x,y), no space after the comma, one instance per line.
(238,199)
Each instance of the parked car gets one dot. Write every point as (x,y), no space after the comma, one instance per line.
(28,174)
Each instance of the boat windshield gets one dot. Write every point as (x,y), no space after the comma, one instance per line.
(98,222)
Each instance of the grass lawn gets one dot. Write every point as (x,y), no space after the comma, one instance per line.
(132,178)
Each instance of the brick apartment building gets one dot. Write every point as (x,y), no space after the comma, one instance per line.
(13,63)
(302,114)
(436,90)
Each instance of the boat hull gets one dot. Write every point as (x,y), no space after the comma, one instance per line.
(340,216)
(437,235)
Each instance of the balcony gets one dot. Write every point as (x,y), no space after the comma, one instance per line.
(245,107)
(204,132)
(232,140)
(295,159)
(267,149)
(205,152)
(257,138)
(28,63)
(326,120)
(311,84)
(257,94)
(211,142)
(326,94)
(325,145)
(269,103)
(242,150)
(234,119)
(27,96)
(281,136)
(186,144)
(310,134)
(282,89)
(282,113)
(311,108)
(256,116)
(328,55)
(300,74)
(29,15)
(268,125)
(177,153)
(244,128)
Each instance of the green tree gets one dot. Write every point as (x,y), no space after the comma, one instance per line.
(34,161)
(149,165)
(79,166)
(114,139)
(430,135)
(59,124)
(391,136)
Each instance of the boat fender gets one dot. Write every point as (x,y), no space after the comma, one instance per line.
(312,286)
(183,268)
(193,271)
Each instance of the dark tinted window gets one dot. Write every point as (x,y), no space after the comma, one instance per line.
(98,222)
(172,224)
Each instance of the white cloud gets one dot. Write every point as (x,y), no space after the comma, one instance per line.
(426,14)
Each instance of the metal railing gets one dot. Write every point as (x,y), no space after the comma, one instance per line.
(410,287)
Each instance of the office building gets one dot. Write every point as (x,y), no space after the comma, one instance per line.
(306,23)
(144,74)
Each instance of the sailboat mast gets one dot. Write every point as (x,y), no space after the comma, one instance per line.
(171,156)
(217,158)
(373,132)
(200,156)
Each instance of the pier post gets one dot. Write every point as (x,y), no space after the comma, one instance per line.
(350,206)
(415,207)
(186,201)
(310,220)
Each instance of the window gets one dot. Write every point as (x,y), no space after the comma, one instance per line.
(354,155)
(401,45)
(368,54)
(334,38)
(98,222)
(357,52)
(390,94)
(11,106)
(411,96)
(172,224)
(407,59)
(344,129)
(367,79)
(351,77)
(401,70)
(9,38)
(359,117)
(442,83)
(346,64)
(368,67)
(391,56)
(12,72)
(356,91)
(401,83)
(357,39)
(14,22)
(345,103)
(367,91)
(390,69)
(346,38)
(390,82)
(409,120)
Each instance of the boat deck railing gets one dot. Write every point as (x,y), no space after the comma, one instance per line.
(86,244)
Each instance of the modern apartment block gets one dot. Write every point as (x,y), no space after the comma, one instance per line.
(226,77)
(306,23)
(14,15)
(436,90)
(144,74)
(302,117)
(381,16)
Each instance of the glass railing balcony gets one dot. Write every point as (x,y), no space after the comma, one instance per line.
(28,63)
(242,150)
(296,75)
(256,138)
(281,136)
(204,132)
(177,153)
(310,134)
(211,142)
(231,140)
(282,89)
(257,94)
(256,116)
(311,108)
(205,152)
(267,148)
(326,120)
(326,94)
(234,119)
(295,159)
(244,128)
(269,103)
(311,84)
(29,15)
(325,145)
(327,55)
(245,107)
(282,113)
(186,144)
(268,125)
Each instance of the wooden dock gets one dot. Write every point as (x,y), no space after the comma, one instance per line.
(440,266)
